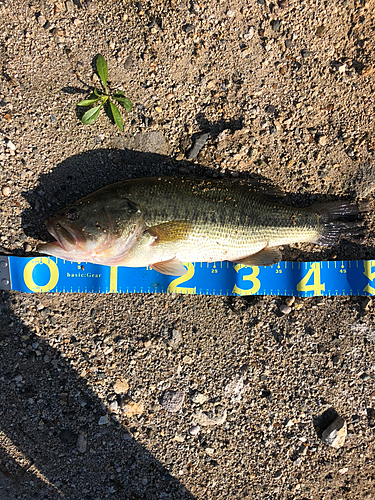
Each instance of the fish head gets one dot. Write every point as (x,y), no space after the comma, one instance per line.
(98,229)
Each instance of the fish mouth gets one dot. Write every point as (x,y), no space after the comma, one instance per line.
(65,235)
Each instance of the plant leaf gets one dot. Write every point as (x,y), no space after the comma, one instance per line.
(116,115)
(89,101)
(91,115)
(102,69)
(119,93)
(125,103)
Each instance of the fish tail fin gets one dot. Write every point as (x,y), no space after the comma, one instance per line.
(341,218)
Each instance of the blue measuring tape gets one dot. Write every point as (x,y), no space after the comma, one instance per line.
(300,279)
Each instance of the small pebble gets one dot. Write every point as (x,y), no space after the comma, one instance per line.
(199,398)
(81,444)
(179,438)
(230,13)
(69,6)
(305,53)
(194,430)
(98,139)
(198,145)
(208,421)
(285,309)
(336,360)
(132,408)
(128,62)
(290,301)
(188,28)
(10,145)
(320,30)
(57,32)
(114,406)
(335,433)
(323,141)
(121,386)
(172,401)
(175,339)
(250,34)
(41,20)
(276,25)
(6,190)
(103,420)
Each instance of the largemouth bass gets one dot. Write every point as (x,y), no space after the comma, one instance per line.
(164,221)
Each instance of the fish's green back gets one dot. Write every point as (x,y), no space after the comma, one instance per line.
(217,209)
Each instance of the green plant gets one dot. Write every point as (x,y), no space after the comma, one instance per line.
(103,97)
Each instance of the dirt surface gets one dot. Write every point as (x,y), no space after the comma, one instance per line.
(285,91)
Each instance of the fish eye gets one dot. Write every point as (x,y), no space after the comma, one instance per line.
(72,214)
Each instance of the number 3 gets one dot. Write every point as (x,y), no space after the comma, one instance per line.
(250,277)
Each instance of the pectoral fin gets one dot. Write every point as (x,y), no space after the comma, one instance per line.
(265,257)
(172,267)
(170,231)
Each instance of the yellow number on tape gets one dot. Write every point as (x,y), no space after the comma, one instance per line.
(249,277)
(316,287)
(173,286)
(370,274)
(28,274)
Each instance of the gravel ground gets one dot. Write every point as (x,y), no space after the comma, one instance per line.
(183,397)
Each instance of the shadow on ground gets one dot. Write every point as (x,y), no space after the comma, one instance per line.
(45,407)
(82,174)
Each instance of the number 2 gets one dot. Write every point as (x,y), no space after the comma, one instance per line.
(173,286)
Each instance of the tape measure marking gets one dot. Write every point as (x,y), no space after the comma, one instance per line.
(307,279)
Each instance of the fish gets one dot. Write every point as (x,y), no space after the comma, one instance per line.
(162,222)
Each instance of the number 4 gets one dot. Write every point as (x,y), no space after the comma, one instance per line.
(316,286)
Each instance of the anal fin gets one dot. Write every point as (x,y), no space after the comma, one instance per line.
(172,267)
(265,257)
